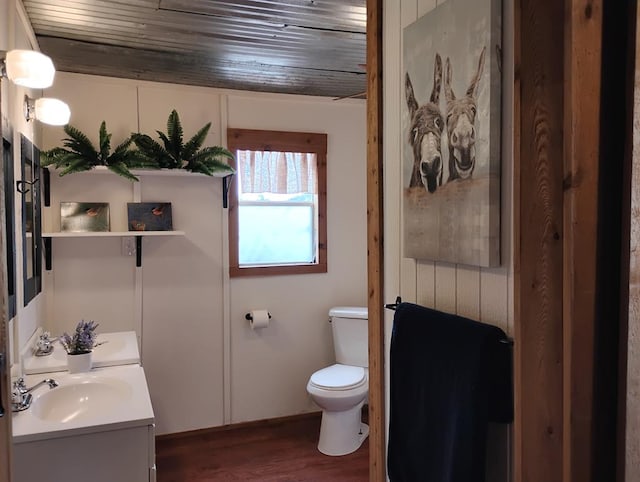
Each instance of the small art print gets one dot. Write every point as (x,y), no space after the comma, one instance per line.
(84,217)
(451,134)
(149,216)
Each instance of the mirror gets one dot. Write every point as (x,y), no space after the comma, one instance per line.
(29,187)
(7,165)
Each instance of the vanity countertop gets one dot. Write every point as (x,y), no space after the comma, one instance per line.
(120,392)
(117,348)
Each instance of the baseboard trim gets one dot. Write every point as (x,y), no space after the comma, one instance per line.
(242,425)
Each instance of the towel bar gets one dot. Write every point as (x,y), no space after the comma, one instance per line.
(393,306)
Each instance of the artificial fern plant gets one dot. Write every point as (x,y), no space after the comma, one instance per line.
(174,153)
(79,154)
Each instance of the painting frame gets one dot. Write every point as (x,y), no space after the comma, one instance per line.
(451,134)
(84,217)
(149,216)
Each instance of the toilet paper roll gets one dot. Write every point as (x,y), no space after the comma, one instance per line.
(259,319)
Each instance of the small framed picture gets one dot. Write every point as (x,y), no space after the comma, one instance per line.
(84,217)
(149,216)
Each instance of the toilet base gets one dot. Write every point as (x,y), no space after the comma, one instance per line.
(342,433)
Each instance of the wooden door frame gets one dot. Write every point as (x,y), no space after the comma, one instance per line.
(556,156)
(375,246)
(558,220)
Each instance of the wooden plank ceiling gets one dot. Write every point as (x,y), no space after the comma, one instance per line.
(311,47)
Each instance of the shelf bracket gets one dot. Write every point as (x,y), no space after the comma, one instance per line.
(47,253)
(46,187)
(226,184)
(138,251)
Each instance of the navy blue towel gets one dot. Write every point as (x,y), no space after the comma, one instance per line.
(450,376)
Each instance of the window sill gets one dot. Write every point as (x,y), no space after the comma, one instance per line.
(237,272)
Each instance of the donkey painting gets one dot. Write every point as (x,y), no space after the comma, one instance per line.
(425,133)
(461,117)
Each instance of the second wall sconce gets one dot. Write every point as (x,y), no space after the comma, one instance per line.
(47,110)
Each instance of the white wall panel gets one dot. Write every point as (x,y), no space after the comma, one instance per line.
(468,292)
(181,282)
(270,368)
(182,348)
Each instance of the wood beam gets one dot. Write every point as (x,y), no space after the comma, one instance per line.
(538,225)
(375,258)
(582,47)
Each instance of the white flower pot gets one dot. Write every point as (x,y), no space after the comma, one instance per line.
(79,363)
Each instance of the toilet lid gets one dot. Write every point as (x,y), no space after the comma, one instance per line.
(338,377)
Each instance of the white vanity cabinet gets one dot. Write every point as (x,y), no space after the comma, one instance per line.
(96,426)
(125,455)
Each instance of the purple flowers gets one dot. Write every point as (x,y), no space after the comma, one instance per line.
(82,340)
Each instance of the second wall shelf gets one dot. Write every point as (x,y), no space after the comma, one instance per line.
(103,234)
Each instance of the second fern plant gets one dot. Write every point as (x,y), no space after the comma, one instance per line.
(174,153)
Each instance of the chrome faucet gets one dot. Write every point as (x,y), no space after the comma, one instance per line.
(21,397)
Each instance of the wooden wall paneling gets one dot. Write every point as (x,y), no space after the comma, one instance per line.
(468,291)
(583,34)
(410,289)
(494,285)
(409,270)
(445,294)
(538,175)
(399,271)
(375,230)
(426,283)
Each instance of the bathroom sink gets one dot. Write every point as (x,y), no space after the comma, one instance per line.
(81,399)
(107,398)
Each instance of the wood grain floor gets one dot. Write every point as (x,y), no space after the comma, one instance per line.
(276,451)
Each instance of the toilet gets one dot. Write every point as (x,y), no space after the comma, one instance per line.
(341,389)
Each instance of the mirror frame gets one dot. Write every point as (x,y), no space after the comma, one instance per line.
(10,225)
(30,154)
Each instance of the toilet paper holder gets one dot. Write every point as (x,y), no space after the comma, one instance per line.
(249,317)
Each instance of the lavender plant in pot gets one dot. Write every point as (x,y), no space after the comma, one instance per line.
(79,346)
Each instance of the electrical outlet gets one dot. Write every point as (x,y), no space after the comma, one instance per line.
(128,246)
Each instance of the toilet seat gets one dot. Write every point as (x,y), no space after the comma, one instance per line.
(339,377)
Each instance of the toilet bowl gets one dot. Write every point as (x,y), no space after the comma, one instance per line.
(340,391)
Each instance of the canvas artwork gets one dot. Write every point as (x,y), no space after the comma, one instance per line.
(84,217)
(149,216)
(451,134)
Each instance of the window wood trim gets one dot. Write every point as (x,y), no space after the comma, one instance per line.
(259,140)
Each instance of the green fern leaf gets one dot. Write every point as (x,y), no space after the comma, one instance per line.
(195,143)
(174,133)
(121,169)
(105,143)
(78,165)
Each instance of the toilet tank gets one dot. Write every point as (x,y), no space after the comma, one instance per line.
(350,328)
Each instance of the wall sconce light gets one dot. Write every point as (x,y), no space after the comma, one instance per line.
(28,68)
(49,111)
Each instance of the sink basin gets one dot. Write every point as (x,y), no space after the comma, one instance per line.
(81,399)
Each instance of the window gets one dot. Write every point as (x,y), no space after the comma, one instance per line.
(277,203)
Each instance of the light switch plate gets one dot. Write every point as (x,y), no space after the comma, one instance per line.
(128,246)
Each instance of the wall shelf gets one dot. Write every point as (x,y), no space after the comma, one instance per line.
(226,178)
(111,234)
(48,248)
